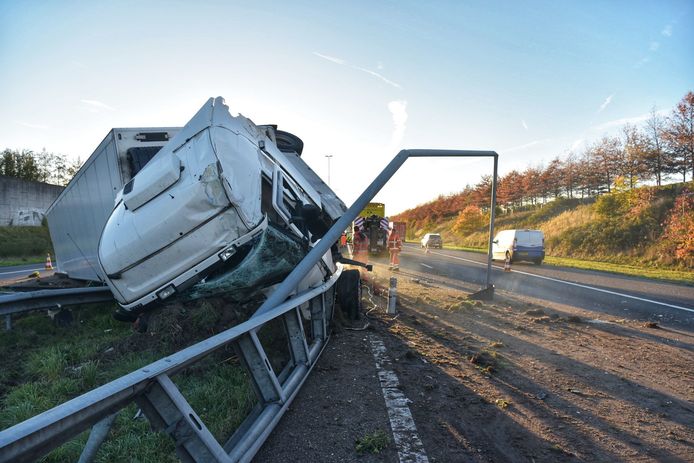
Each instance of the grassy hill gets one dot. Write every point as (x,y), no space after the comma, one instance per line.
(647,227)
(22,245)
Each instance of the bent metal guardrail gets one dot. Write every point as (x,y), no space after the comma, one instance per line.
(164,405)
(50,298)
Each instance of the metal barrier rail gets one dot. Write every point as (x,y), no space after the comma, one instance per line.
(166,408)
(50,298)
(164,405)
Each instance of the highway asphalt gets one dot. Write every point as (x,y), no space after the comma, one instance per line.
(601,292)
(16,272)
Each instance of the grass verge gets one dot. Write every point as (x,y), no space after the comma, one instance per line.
(12,261)
(44,365)
(670,275)
(678,276)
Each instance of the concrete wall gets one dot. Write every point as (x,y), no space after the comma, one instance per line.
(25,203)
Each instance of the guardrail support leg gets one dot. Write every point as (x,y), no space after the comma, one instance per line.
(97,436)
(296,336)
(8,322)
(318,322)
(265,381)
(167,409)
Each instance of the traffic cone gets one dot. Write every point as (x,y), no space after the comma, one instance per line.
(49,264)
(507,264)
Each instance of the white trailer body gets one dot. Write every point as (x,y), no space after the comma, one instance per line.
(77,217)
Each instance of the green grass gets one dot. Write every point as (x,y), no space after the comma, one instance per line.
(679,276)
(19,243)
(372,443)
(12,261)
(466,248)
(43,366)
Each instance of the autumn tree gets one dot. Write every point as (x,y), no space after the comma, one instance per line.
(632,162)
(569,175)
(605,156)
(679,136)
(469,220)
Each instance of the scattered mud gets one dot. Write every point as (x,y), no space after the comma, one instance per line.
(513,380)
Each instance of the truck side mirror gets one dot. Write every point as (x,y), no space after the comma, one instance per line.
(495,241)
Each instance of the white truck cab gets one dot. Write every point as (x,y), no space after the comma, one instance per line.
(517,245)
(221,192)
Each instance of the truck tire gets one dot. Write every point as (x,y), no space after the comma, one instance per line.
(349,293)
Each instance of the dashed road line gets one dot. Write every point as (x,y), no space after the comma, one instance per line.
(614,293)
(427,266)
(407,441)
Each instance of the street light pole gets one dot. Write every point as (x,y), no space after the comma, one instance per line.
(328,156)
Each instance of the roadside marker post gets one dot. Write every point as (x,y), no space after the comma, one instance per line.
(393,296)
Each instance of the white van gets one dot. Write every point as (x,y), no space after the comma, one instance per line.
(519,245)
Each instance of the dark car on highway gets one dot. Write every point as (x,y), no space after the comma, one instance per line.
(432,240)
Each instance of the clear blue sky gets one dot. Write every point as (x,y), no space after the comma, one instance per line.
(358,80)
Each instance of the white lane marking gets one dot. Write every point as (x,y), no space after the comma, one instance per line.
(407,441)
(614,293)
(27,271)
(427,266)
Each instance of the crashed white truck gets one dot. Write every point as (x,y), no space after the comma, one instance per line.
(224,207)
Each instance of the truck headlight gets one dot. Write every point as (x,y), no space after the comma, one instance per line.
(226,254)
(166,292)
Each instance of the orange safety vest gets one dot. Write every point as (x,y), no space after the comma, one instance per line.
(360,242)
(394,243)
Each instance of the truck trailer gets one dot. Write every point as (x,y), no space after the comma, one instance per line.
(78,215)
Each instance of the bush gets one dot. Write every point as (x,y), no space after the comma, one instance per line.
(470,219)
(679,228)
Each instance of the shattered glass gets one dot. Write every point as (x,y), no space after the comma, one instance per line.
(273,256)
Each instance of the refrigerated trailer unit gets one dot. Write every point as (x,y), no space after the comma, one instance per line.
(77,217)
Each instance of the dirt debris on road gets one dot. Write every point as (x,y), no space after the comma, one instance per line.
(512,380)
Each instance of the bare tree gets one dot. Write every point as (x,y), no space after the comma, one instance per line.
(633,160)
(605,156)
(656,159)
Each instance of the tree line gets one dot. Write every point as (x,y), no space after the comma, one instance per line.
(43,166)
(653,152)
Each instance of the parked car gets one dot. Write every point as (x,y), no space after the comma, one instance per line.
(517,245)
(432,240)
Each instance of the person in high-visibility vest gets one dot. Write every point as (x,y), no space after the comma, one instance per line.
(360,246)
(394,248)
(343,240)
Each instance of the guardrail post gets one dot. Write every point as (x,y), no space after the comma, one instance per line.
(97,436)
(266,384)
(296,336)
(8,322)
(318,324)
(392,296)
(167,409)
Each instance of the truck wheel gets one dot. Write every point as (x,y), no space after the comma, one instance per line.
(509,257)
(349,293)
(538,261)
